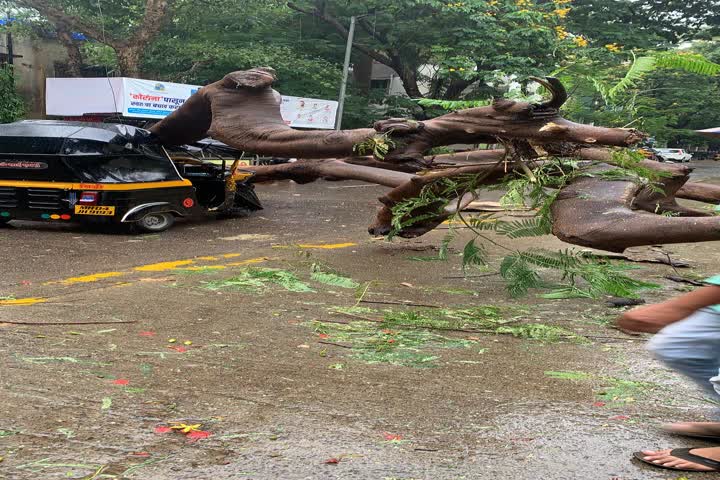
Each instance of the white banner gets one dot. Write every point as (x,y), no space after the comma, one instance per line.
(137,98)
(308,112)
(148,99)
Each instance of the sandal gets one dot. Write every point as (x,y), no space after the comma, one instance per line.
(684,454)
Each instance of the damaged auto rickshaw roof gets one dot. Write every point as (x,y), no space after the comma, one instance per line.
(69,138)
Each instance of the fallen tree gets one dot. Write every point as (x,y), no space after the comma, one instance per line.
(587,187)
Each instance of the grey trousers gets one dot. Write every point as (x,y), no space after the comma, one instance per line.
(692,347)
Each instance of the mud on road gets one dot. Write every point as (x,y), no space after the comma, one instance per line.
(292,346)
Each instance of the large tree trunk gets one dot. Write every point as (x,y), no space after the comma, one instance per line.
(75,61)
(128,58)
(243,111)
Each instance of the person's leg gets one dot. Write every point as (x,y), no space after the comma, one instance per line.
(692,347)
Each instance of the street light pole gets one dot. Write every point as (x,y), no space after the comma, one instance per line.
(346,71)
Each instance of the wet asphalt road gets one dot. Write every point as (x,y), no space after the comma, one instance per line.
(280,398)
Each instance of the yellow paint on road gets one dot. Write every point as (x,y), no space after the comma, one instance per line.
(163,266)
(153,267)
(22,301)
(94,277)
(249,262)
(200,269)
(331,246)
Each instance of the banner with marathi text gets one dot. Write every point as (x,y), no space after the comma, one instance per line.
(148,99)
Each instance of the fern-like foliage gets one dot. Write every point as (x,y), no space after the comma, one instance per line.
(640,67)
(473,254)
(445,245)
(528,227)
(689,62)
(452,104)
(582,276)
(519,276)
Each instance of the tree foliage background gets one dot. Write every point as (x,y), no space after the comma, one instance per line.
(469,50)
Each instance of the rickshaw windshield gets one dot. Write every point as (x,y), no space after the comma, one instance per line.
(122,168)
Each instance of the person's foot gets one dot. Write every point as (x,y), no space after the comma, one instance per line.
(694,429)
(663,458)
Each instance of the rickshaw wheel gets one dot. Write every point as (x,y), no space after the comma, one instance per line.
(155,222)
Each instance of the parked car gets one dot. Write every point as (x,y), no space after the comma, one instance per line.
(111,174)
(672,155)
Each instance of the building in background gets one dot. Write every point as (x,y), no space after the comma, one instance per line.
(34,58)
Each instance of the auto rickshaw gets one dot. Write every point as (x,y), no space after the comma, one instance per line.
(111,174)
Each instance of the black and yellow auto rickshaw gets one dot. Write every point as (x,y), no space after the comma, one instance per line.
(110,174)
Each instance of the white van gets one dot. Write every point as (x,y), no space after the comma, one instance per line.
(672,155)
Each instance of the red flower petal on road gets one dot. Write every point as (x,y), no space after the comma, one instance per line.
(26,282)
(143,454)
(198,434)
(620,417)
(599,404)
(147,334)
(163,429)
(324,336)
(392,437)
(121,381)
(332,461)
(179,349)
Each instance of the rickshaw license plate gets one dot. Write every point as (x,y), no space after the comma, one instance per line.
(94,210)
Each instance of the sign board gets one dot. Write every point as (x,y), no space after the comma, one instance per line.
(146,99)
(135,98)
(308,112)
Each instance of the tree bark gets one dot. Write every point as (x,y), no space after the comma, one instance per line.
(128,59)
(75,60)
(243,111)
(129,50)
(598,214)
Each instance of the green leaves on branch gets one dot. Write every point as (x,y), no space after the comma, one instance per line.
(688,62)
(452,104)
(640,67)
(378,146)
(582,277)
(644,65)
(12,107)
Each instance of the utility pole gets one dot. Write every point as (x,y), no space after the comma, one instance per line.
(10,49)
(346,72)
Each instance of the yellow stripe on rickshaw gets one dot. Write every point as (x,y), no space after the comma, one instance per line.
(96,186)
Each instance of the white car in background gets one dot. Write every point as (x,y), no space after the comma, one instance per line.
(672,155)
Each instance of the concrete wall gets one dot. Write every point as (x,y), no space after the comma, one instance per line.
(383,72)
(38,60)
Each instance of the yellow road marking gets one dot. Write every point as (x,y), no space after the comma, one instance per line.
(249,262)
(153,267)
(22,301)
(163,266)
(89,278)
(331,246)
(200,269)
